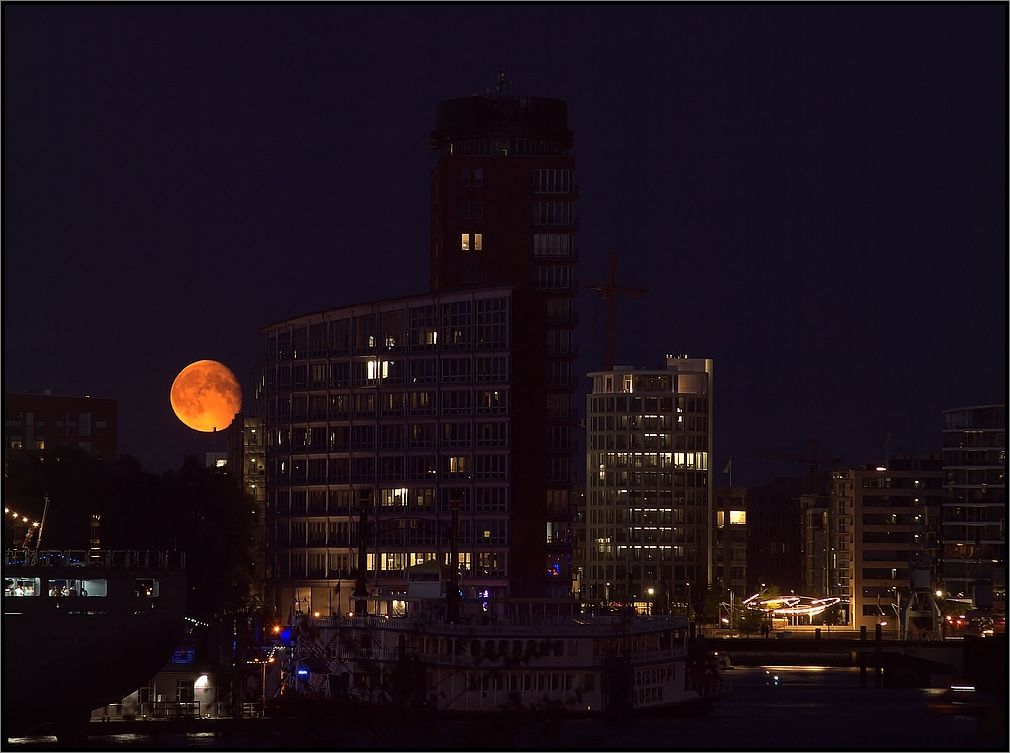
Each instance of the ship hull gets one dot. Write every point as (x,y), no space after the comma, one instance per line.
(66,655)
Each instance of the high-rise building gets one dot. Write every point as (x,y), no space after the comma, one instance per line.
(405,404)
(503,212)
(43,421)
(973,529)
(879,535)
(648,484)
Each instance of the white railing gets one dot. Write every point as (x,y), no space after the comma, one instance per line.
(555,627)
(119,559)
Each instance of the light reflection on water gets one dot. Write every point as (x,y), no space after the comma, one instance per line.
(36,740)
(806,702)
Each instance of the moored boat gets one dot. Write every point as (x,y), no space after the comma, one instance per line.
(82,629)
(578,664)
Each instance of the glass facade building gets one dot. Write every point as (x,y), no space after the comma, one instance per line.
(648,485)
(404,404)
(973,530)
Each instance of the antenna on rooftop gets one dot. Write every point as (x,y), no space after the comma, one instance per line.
(500,83)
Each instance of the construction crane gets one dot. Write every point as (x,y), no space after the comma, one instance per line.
(609,291)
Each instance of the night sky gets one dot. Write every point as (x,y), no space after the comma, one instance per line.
(814,195)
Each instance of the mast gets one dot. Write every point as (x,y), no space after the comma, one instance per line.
(42,525)
(452,593)
(361,584)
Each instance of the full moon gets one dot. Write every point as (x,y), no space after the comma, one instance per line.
(206,396)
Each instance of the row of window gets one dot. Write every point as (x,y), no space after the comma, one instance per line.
(75,587)
(552,180)
(686,440)
(618,574)
(608,461)
(554,213)
(301,564)
(343,438)
(337,501)
(687,511)
(649,479)
(553,244)
(338,470)
(364,404)
(647,408)
(417,326)
(344,374)
(391,532)
(683,383)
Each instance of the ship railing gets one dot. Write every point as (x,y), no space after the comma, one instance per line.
(118,559)
(466,659)
(363,654)
(174,709)
(580,626)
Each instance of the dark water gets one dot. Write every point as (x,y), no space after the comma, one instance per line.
(812,709)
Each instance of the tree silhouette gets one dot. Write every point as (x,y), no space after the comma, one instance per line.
(200,511)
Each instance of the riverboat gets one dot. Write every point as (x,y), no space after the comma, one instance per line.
(580,664)
(84,628)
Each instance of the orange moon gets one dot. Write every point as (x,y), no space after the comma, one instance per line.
(206,396)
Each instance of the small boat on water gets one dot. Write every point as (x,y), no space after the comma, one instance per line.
(84,628)
(966,700)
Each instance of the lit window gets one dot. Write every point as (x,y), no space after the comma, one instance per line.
(737,517)
(471,241)
(720,518)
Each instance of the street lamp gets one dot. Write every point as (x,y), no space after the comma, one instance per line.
(263,685)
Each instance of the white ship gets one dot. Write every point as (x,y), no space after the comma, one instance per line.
(525,660)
